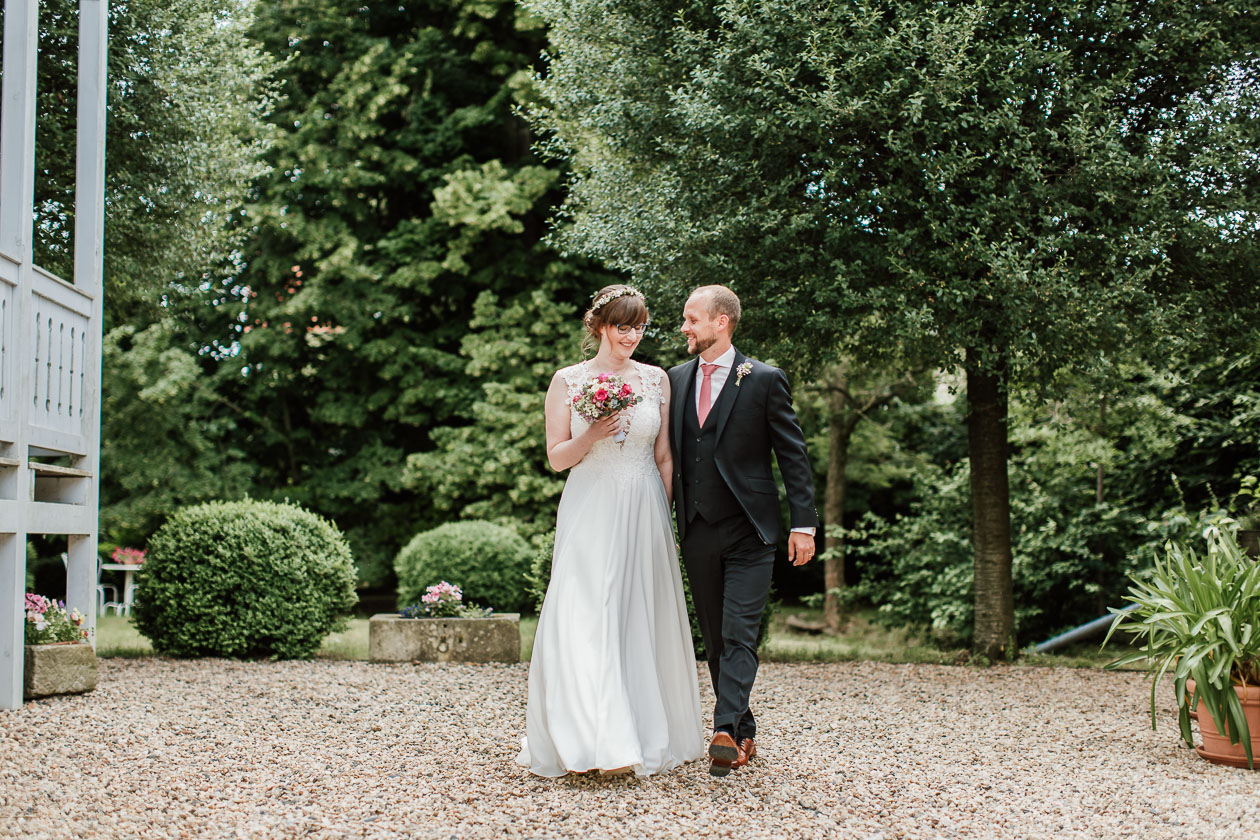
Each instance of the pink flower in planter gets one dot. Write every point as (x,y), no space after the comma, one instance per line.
(129,556)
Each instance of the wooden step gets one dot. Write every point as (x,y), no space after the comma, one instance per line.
(58,472)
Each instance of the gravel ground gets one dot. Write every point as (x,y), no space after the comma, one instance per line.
(350,749)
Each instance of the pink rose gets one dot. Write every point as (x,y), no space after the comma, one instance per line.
(604,377)
(601,394)
(576,400)
(626,390)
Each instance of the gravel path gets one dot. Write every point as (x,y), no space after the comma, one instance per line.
(350,749)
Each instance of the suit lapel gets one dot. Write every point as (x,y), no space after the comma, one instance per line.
(726,399)
(682,392)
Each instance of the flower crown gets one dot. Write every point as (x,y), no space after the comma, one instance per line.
(613,295)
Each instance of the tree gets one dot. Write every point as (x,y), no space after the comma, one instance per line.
(494,465)
(1014,189)
(402,188)
(171,437)
(187,90)
(852,395)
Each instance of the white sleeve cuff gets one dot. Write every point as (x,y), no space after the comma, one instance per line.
(810,531)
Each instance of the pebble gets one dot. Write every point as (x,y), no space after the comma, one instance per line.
(321,749)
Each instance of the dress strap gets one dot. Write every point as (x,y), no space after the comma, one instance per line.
(574,375)
(651,377)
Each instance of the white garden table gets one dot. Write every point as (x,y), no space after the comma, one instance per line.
(129,582)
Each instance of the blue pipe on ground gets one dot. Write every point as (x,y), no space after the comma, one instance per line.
(1093,628)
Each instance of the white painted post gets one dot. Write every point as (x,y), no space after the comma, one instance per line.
(17,195)
(89,221)
(17,135)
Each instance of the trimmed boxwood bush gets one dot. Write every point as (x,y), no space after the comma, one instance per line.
(488,562)
(244,579)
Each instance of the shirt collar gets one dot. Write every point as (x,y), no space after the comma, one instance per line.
(725,360)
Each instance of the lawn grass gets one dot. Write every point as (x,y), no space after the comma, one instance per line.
(863,640)
(117,636)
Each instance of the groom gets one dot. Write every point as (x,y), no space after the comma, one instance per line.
(727,415)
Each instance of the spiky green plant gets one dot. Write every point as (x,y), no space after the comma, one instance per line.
(1198,615)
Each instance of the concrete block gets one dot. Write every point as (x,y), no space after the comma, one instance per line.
(59,669)
(392,638)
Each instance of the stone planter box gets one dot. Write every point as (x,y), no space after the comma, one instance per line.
(392,638)
(59,669)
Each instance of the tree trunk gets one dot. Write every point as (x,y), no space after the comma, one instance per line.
(841,430)
(991,508)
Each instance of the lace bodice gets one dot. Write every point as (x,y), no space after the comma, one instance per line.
(634,457)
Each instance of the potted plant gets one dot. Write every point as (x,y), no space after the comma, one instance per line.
(442,628)
(59,658)
(1246,507)
(1199,617)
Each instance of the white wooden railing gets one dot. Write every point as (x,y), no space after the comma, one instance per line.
(62,315)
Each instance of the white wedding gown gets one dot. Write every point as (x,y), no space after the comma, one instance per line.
(612,681)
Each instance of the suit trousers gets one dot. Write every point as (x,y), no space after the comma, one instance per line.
(729,570)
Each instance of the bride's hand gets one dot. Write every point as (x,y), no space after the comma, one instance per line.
(604,427)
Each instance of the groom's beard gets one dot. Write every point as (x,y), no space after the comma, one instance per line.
(700,345)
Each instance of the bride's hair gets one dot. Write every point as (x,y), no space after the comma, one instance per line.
(615,304)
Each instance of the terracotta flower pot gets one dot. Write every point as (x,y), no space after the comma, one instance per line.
(1216,747)
(1194,713)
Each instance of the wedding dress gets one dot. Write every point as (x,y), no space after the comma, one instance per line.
(612,680)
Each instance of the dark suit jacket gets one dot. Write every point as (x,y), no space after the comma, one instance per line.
(754,417)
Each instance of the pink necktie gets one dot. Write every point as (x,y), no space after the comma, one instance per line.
(706,392)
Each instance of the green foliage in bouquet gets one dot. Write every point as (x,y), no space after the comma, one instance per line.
(1199,616)
(244,579)
(490,561)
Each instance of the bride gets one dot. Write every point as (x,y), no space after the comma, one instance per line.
(612,681)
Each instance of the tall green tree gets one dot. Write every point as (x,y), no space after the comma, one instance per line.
(170,438)
(403,188)
(493,465)
(187,90)
(1017,189)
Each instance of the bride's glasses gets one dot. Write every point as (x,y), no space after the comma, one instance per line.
(625,329)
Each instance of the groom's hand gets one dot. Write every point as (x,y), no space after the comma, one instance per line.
(800,548)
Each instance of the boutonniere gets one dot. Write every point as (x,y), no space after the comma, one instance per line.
(742,371)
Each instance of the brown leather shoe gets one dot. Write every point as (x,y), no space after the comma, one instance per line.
(722,754)
(747,752)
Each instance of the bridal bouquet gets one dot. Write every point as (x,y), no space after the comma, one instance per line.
(603,395)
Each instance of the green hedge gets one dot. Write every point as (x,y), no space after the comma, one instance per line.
(244,579)
(488,562)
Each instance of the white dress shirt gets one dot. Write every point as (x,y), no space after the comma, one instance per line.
(716,380)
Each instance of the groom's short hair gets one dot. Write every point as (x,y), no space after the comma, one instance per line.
(722,301)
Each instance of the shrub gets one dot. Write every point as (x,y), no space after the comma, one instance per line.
(488,562)
(244,579)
